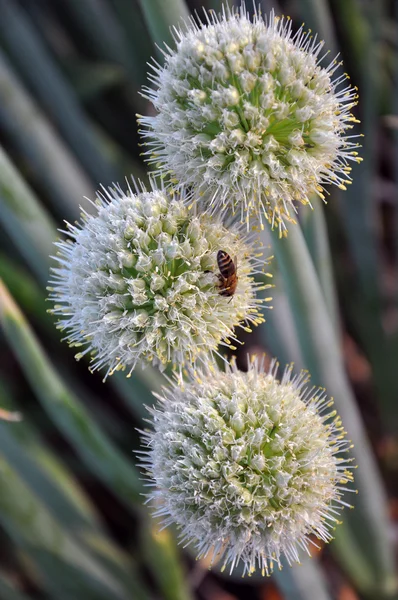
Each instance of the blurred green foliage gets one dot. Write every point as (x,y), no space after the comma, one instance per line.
(72,518)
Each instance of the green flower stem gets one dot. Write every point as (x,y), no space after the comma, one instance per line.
(357,207)
(30,130)
(33,232)
(99,24)
(9,592)
(278,333)
(24,219)
(322,356)
(52,90)
(315,231)
(54,551)
(395,134)
(56,488)
(349,555)
(28,294)
(59,491)
(160,16)
(304,583)
(162,556)
(91,444)
(137,36)
(136,390)
(318,16)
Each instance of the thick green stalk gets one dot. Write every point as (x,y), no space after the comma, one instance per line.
(56,488)
(316,234)
(349,555)
(9,592)
(53,550)
(98,23)
(52,162)
(137,35)
(40,70)
(304,582)
(215,5)
(48,478)
(162,556)
(23,218)
(26,291)
(136,390)
(322,356)
(92,445)
(278,334)
(318,16)
(395,133)
(160,16)
(358,207)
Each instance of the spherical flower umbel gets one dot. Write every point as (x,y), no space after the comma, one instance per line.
(249,116)
(138,281)
(249,468)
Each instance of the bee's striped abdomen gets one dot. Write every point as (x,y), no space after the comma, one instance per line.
(225,264)
(228,277)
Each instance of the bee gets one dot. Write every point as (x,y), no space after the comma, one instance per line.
(228,273)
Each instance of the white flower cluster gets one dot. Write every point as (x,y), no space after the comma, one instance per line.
(247,466)
(250,468)
(139,280)
(248,116)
